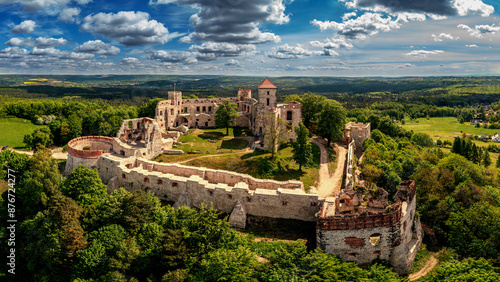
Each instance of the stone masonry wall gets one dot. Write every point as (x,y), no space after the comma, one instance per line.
(133,174)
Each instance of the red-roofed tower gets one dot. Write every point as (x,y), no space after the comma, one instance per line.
(267,94)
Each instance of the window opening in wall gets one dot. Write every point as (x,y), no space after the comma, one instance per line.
(123,176)
(229,196)
(175,184)
(204,109)
(185,109)
(375,239)
(209,109)
(159,181)
(268,101)
(268,92)
(172,112)
(129,124)
(206,124)
(146,179)
(289,115)
(197,109)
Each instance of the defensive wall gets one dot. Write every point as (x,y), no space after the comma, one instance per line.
(86,150)
(223,189)
(357,132)
(394,235)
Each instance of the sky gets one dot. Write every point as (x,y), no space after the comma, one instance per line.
(251,37)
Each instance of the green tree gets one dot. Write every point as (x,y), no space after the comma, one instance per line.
(312,105)
(331,121)
(149,109)
(498,162)
(84,186)
(274,134)
(302,151)
(486,158)
(226,115)
(469,269)
(476,231)
(227,265)
(40,137)
(422,139)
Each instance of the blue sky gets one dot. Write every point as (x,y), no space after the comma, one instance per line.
(258,37)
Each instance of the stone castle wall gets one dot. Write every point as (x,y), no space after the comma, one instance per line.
(398,232)
(266,197)
(357,132)
(98,145)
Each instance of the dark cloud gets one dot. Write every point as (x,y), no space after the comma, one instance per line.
(438,7)
(129,28)
(233,21)
(173,56)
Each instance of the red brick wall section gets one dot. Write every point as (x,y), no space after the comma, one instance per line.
(359,221)
(354,242)
(87,154)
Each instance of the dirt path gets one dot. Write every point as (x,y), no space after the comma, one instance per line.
(55,155)
(329,185)
(429,265)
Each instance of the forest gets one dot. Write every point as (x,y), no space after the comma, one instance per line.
(70,229)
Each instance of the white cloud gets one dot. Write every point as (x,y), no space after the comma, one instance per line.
(24,27)
(13,52)
(40,42)
(463,7)
(423,53)
(69,15)
(442,36)
(49,5)
(223,49)
(291,52)
(97,47)
(346,16)
(130,61)
(233,63)
(129,28)
(471,46)
(333,43)
(480,30)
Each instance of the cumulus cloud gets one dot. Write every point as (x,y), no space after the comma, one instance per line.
(129,28)
(40,42)
(13,52)
(443,36)
(480,30)
(233,21)
(173,56)
(439,7)
(69,15)
(286,51)
(223,49)
(233,63)
(423,53)
(366,25)
(37,5)
(130,61)
(471,46)
(463,7)
(97,47)
(332,43)
(24,27)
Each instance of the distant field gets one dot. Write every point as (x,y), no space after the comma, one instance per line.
(12,131)
(446,125)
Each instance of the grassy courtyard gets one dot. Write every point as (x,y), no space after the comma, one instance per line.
(12,131)
(211,148)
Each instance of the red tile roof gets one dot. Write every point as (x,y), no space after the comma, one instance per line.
(267,84)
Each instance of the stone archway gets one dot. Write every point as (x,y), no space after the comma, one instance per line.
(181,121)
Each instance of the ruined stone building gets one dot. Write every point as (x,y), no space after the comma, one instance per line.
(176,112)
(357,132)
(359,224)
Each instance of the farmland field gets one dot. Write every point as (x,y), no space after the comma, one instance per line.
(12,131)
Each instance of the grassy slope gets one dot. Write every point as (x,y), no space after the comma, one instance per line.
(12,131)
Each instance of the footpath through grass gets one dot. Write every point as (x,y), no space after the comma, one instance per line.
(231,153)
(12,131)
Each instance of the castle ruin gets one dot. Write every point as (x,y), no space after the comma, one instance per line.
(359,224)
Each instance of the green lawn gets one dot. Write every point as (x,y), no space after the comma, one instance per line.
(12,131)
(446,126)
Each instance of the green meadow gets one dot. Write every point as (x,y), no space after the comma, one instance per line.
(12,131)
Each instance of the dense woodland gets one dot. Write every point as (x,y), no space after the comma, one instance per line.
(71,229)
